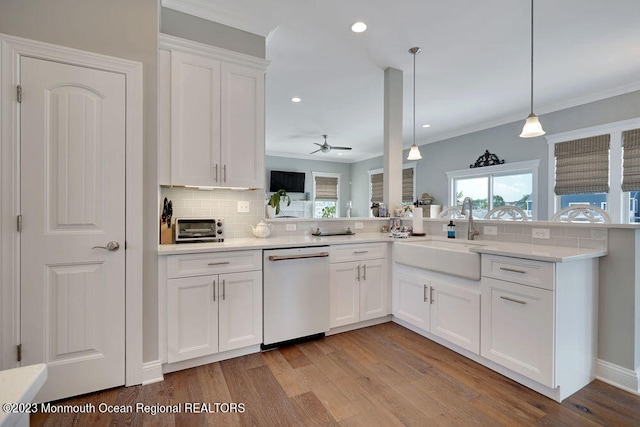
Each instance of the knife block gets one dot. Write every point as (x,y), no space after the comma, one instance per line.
(166,234)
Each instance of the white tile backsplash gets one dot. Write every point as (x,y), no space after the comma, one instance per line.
(221,203)
(218,203)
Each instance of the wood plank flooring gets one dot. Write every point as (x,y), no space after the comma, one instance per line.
(383,375)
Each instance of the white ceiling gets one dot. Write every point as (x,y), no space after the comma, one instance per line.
(472,74)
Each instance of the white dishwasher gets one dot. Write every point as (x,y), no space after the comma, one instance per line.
(296,295)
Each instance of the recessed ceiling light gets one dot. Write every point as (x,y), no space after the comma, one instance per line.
(359,27)
(426,126)
(295,99)
(339,154)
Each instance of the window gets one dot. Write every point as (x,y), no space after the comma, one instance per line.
(513,184)
(326,192)
(620,198)
(376,185)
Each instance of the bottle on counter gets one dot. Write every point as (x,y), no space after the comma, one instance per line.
(451,230)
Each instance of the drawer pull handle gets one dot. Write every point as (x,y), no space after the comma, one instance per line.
(513,270)
(360,252)
(514,300)
(424,293)
(364,274)
(302,256)
(220,263)
(431,294)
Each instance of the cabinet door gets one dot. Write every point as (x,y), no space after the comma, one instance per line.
(411,297)
(195,120)
(242,126)
(240,305)
(192,317)
(517,328)
(345,293)
(455,315)
(373,289)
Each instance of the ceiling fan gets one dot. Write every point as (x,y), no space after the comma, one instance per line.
(325,148)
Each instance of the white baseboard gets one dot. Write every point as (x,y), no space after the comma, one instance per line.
(617,376)
(363,324)
(152,372)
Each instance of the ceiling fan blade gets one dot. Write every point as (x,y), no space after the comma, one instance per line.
(333,147)
(315,151)
(319,145)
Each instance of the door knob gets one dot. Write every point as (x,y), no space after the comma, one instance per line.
(111,246)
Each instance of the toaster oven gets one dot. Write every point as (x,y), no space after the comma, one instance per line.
(199,230)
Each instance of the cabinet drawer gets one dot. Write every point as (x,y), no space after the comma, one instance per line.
(357,252)
(527,272)
(213,263)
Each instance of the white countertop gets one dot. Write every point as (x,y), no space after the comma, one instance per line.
(519,250)
(20,385)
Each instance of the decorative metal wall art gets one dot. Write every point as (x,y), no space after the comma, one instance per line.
(487,159)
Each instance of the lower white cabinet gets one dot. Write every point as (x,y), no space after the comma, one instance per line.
(443,306)
(212,313)
(517,328)
(539,320)
(359,289)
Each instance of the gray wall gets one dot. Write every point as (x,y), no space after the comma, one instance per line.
(200,30)
(619,294)
(459,152)
(120,28)
(360,185)
(308,166)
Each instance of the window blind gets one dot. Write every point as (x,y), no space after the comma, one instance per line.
(582,166)
(407,185)
(377,187)
(326,188)
(631,160)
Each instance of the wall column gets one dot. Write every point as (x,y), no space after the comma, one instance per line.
(392,192)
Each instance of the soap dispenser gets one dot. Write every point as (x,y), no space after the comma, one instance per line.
(451,230)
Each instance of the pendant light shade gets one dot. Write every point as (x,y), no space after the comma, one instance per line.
(414,153)
(532,126)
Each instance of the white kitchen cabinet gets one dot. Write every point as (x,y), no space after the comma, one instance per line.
(448,307)
(359,283)
(517,328)
(216,115)
(539,320)
(208,313)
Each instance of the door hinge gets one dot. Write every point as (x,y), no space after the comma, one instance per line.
(19,351)
(19,223)
(19,93)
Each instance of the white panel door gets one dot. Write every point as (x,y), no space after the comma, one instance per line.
(411,297)
(72,178)
(345,293)
(239,310)
(192,317)
(195,120)
(242,126)
(455,315)
(373,289)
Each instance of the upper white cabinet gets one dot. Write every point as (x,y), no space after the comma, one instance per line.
(211,116)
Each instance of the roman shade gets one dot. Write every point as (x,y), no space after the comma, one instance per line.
(582,166)
(326,188)
(377,187)
(407,185)
(631,160)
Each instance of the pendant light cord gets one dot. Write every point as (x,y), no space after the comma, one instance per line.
(414,97)
(531,56)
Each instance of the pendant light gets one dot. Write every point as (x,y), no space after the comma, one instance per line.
(414,153)
(532,126)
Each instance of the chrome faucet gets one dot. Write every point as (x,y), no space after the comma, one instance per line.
(471,232)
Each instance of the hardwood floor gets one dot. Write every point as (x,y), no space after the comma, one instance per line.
(383,375)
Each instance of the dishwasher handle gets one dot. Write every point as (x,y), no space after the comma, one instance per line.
(301,256)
